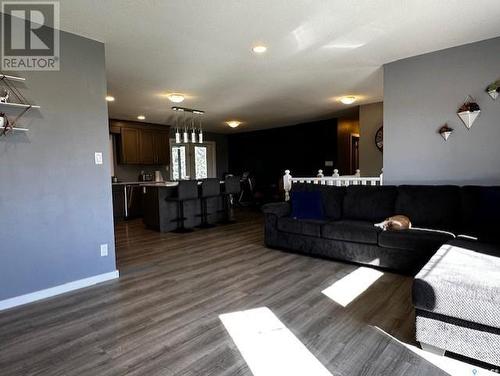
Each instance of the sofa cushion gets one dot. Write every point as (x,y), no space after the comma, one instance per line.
(307,227)
(369,203)
(427,206)
(351,231)
(461,283)
(414,239)
(481,212)
(279,209)
(332,197)
(307,205)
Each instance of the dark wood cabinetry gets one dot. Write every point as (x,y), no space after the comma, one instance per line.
(147,147)
(162,148)
(145,144)
(130,146)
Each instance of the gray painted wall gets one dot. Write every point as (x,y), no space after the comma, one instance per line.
(55,203)
(424,92)
(370,120)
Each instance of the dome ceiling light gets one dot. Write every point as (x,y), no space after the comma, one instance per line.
(175,97)
(348,100)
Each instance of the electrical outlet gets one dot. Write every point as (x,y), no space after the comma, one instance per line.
(98,158)
(104,250)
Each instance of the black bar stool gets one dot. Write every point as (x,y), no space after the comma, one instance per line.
(186,190)
(232,188)
(210,188)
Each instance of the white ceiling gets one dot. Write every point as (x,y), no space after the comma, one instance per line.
(318,50)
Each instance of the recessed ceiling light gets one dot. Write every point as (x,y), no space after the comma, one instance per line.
(175,97)
(348,100)
(259,49)
(233,123)
(141,117)
(109,98)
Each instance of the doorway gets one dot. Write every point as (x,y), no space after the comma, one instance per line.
(354,153)
(193,161)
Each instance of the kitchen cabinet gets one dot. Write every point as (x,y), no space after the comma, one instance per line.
(155,147)
(147,146)
(162,148)
(130,146)
(142,144)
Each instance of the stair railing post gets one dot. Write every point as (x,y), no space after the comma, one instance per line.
(336,176)
(287,184)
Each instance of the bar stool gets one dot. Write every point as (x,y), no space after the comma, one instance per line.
(232,188)
(186,190)
(210,188)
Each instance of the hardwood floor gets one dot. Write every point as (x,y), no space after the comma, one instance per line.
(161,316)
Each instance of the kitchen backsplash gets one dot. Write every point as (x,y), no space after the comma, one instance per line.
(131,172)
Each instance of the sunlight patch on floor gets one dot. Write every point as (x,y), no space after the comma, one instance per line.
(268,346)
(348,288)
(451,366)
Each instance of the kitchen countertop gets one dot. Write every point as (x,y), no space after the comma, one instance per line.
(159,184)
(136,182)
(154,183)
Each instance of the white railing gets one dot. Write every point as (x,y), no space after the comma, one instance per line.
(334,180)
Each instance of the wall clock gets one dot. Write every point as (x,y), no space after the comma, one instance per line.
(379,139)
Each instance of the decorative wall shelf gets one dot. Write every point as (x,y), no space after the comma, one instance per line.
(11,78)
(20,103)
(14,129)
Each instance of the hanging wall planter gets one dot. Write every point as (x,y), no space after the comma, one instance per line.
(493,89)
(445,132)
(469,111)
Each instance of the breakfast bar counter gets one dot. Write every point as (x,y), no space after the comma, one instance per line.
(161,215)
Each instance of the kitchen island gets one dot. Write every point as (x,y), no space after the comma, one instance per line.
(160,214)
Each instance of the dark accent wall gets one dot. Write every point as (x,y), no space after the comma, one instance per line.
(302,148)
(221,145)
(424,92)
(55,203)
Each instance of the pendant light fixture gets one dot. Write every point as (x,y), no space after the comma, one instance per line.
(188,126)
(200,132)
(193,129)
(185,133)
(177,132)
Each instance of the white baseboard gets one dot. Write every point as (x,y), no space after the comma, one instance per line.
(57,290)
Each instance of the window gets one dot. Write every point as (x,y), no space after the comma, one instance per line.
(193,161)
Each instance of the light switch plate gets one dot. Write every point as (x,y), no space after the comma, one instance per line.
(104,250)
(98,158)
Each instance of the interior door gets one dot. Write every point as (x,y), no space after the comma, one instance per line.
(354,151)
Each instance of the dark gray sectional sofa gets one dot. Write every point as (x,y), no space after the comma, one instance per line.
(453,246)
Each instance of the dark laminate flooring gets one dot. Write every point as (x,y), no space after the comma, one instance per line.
(161,316)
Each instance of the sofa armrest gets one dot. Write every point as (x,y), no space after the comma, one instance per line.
(279,209)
